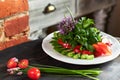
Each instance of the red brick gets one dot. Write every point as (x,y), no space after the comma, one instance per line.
(16,26)
(10,7)
(2,46)
(13,42)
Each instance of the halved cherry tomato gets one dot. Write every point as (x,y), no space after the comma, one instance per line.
(86,52)
(23,63)
(34,73)
(12,63)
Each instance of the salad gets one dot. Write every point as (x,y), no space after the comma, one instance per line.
(80,39)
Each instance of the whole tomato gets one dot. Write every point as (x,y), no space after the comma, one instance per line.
(34,73)
(12,62)
(23,63)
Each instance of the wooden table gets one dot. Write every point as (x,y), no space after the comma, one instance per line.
(32,50)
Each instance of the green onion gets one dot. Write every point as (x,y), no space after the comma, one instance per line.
(90,73)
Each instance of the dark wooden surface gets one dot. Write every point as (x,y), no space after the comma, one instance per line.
(32,50)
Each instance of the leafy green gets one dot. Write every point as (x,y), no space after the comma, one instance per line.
(84,34)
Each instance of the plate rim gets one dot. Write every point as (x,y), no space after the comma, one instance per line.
(86,62)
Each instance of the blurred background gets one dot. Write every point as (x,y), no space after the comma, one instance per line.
(46,14)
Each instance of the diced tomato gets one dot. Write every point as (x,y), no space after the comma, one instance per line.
(86,52)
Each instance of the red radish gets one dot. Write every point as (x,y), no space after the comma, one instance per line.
(23,63)
(12,63)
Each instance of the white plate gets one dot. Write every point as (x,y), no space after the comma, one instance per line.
(48,48)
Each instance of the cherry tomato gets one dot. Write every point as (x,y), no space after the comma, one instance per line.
(34,73)
(66,45)
(23,63)
(12,63)
(86,52)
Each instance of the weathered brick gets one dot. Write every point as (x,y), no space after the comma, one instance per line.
(10,7)
(16,26)
(13,42)
(2,46)
(2,35)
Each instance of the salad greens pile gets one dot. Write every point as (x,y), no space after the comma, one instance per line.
(81,34)
(84,33)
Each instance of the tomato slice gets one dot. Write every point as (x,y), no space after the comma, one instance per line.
(101,49)
(106,49)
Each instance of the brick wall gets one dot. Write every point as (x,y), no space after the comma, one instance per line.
(14,22)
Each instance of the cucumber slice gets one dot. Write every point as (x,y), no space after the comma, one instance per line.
(90,57)
(76,56)
(65,51)
(84,56)
(70,54)
(58,49)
